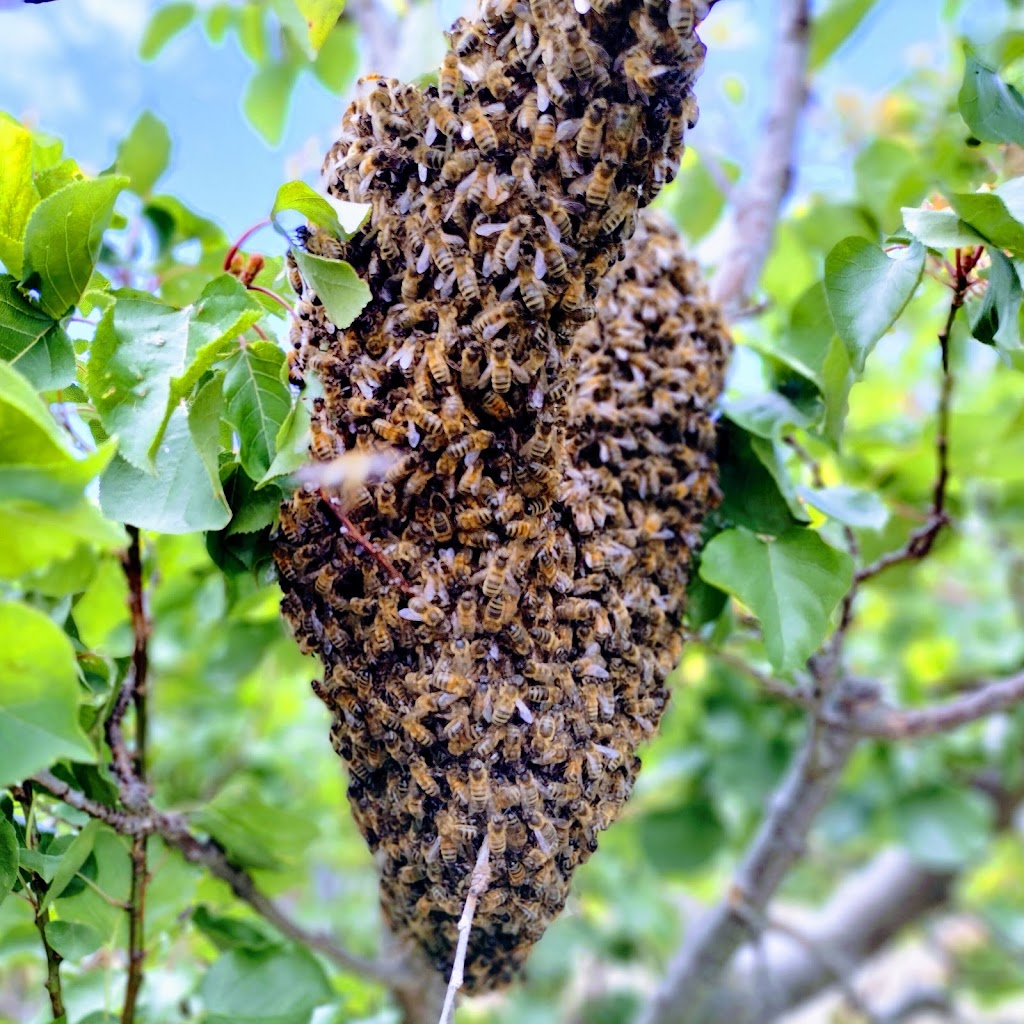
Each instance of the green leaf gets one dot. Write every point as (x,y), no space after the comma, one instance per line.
(258,402)
(292,444)
(101,613)
(143,154)
(62,240)
(944,828)
(989,214)
(218,20)
(71,862)
(321,16)
(767,415)
(695,200)
(867,289)
(232,932)
(224,310)
(751,493)
(341,290)
(267,98)
(792,584)
(298,196)
(252,35)
(139,346)
(251,510)
(165,24)
(992,108)
(8,857)
(18,193)
(34,535)
(38,695)
(281,986)
(73,941)
(260,835)
(939,229)
(338,60)
(32,341)
(831,28)
(682,839)
(180,498)
(848,505)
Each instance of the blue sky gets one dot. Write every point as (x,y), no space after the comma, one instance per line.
(71,67)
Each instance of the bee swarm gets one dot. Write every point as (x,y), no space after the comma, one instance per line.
(495,660)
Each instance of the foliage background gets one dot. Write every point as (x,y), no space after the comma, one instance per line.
(236,740)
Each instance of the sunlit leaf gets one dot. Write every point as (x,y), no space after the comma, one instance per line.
(144,152)
(849,505)
(833,26)
(268,97)
(8,857)
(341,218)
(18,193)
(338,60)
(292,445)
(38,695)
(321,16)
(791,583)
(62,240)
(165,24)
(939,229)
(341,290)
(252,35)
(867,290)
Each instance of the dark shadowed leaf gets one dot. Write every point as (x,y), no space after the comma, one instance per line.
(996,319)
(939,229)
(32,341)
(233,932)
(73,941)
(681,839)
(8,857)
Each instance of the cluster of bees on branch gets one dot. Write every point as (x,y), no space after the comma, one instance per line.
(496,612)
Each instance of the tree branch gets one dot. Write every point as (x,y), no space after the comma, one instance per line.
(756,211)
(884,722)
(685,995)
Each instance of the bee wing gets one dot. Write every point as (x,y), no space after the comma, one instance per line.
(568,129)
(491,229)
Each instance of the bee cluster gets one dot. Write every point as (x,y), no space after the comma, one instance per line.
(496,614)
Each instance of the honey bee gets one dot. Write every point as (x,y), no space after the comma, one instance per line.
(599,187)
(682,16)
(479,786)
(422,777)
(641,73)
(496,406)
(539,444)
(465,37)
(477,127)
(437,249)
(440,520)
(492,899)
(497,82)
(543,142)
(458,165)
(501,369)
(490,322)
(526,118)
(449,77)
(506,249)
(621,213)
(504,705)
(465,615)
(454,415)
(323,445)
(516,873)
(529,794)
(474,518)
(467,280)
(533,292)
(471,365)
(495,613)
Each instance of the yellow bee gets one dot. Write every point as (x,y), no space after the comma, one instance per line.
(496,81)
(467,279)
(533,292)
(459,164)
(621,214)
(502,368)
(477,127)
(506,249)
(472,364)
(489,322)
(465,614)
(449,77)
(504,705)
(599,187)
(543,141)
(641,72)
(479,787)
(496,406)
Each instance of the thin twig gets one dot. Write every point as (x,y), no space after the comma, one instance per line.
(243,238)
(132,771)
(758,204)
(173,829)
(272,294)
(349,528)
(478,883)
